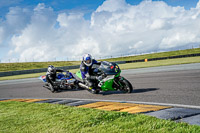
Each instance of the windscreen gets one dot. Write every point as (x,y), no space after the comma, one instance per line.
(109,68)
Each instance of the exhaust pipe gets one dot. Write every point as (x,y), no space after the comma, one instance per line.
(83,86)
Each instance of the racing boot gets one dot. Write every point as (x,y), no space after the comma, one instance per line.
(95,91)
(51,88)
(46,85)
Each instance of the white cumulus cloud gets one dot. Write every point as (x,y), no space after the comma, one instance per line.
(115,28)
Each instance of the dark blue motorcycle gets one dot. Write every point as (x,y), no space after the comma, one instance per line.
(63,81)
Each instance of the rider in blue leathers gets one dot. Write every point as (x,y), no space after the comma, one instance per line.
(86,70)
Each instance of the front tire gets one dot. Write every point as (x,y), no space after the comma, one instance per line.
(127,87)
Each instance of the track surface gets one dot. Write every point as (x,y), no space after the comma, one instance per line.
(178,84)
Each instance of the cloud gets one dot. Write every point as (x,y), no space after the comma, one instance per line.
(1,34)
(198,5)
(157,25)
(112,6)
(15,21)
(115,28)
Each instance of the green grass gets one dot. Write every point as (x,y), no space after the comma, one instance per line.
(19,117)
(4,67)
(23,76)
(157,55)
(122,66)
(34,75)
(157,63)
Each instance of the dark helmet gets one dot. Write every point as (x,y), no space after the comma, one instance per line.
(51,68)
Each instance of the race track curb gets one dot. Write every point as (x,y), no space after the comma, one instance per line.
(178,114)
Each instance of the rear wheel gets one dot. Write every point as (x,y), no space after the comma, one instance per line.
(62,84)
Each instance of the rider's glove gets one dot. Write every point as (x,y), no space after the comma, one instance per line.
(91,77)
(99,78)
(88,78)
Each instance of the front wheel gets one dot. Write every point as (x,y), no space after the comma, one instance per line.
(127,87)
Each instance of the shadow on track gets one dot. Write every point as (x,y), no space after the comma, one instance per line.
(65,90)
(144,90)
(111,92)
(134,91)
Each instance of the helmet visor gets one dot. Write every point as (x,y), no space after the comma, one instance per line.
(88,61)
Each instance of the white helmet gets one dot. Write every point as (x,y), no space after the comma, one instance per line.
(51,68)
(87,59)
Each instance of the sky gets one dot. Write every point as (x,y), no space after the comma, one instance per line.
(52,30)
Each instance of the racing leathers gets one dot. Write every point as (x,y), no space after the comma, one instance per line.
(86,73)
(51,78)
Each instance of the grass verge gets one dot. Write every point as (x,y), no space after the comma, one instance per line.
(4,67)
(33,117)
(123,66)
(161,63)
(157,55)
(34,75)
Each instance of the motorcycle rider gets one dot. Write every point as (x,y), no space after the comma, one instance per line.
(51,77)
(86,70)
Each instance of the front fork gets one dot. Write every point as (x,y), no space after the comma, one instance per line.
(117,84)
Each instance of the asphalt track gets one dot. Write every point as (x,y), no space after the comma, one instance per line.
(177,84)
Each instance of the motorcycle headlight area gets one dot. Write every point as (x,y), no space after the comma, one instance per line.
(116,68)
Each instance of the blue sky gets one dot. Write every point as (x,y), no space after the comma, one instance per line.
(85,6)
(34,29)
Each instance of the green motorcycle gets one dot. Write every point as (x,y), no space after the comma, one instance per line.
(110,81)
